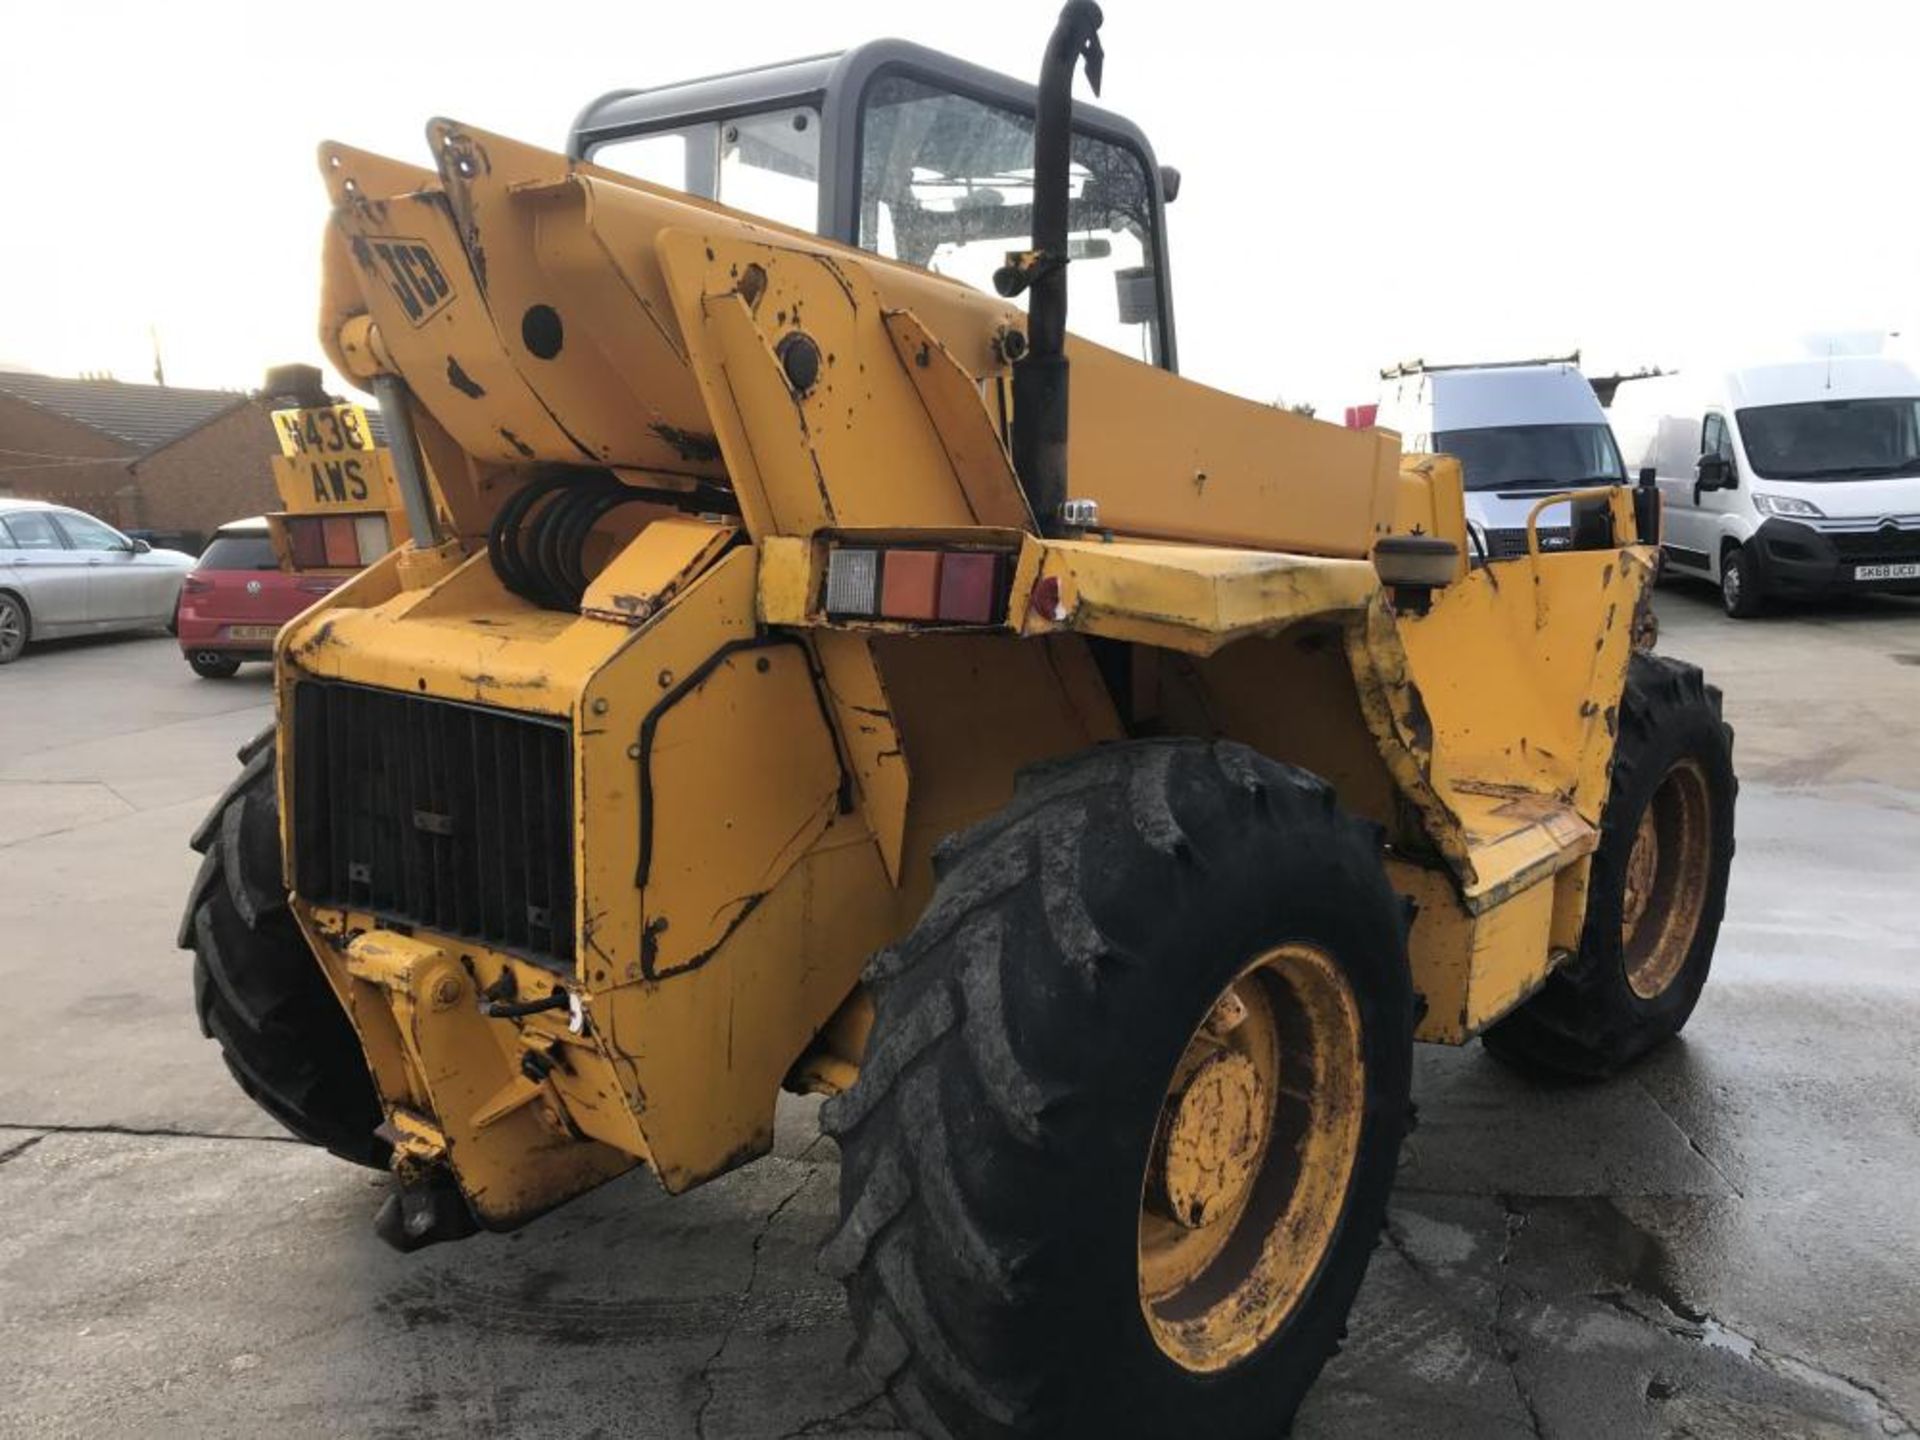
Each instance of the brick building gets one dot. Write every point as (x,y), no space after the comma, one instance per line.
(142,457)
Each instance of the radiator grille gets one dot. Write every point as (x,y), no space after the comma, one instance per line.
(1882,546)
(1506,543)
(455,818)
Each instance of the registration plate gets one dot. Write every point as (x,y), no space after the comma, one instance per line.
(323,430)
(1906,571)
(252,632)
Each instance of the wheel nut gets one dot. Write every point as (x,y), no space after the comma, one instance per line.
(1227,1016)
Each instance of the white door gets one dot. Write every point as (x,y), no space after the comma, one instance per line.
(1688,524)
(52,576)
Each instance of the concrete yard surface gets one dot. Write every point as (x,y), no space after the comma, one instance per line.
(1724,1243)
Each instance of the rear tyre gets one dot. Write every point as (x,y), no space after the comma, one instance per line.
(1122,1140)
(15,628)
(212,665)
(1656,891)
(256,985)
(1742,595)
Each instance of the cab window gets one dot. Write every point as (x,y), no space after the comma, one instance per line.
(946,183)
(766,164)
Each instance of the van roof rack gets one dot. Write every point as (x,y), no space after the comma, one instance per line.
(1421,367)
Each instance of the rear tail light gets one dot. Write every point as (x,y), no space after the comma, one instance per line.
(951,587)
(307,542)
(317,587)
(194,585)
(337,541)
(370,537)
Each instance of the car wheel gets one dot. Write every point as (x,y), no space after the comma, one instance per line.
(15,627)
(212,665)
(1740,591)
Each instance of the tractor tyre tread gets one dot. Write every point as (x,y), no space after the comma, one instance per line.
(991,1063)
(258,992)
(1585,1023)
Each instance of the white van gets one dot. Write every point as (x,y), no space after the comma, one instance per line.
(1520,431)
(1783,480)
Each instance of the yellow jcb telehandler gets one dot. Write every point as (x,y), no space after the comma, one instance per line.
(783,688)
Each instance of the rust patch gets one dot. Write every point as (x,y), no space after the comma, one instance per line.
(1419,724)
(689,445)
(463,382)
(753,284)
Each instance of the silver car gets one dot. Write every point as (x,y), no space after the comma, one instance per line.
(65,573)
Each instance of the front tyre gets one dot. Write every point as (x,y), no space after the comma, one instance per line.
(15,628)
(1122,1140)
(256,986)
(1656,891)
(1742,594)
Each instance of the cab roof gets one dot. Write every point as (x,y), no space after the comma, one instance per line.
(1840,377)
(836,85)
(1478,398)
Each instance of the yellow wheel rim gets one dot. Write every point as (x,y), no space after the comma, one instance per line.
(1251,1159)
(1665,885)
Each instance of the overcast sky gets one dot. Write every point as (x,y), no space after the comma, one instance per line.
(1364,182)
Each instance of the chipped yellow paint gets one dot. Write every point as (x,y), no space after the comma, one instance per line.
(653,567)
(1192,598)
(758,788)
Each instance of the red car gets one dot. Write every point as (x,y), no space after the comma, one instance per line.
(236,599)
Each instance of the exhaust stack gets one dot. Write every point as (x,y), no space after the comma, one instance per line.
(1040,375)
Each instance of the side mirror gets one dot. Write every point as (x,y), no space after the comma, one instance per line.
(1649,477)
(139,547)
(1713,472)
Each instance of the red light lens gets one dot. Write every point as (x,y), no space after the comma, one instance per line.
(194,585)
(969,587)
(308,542)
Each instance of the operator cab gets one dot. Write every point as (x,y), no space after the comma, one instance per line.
(914,156)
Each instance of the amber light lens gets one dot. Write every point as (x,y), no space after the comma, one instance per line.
(910,585)
(342,546)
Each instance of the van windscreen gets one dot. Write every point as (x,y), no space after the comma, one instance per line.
(1833,439)
(1534,457)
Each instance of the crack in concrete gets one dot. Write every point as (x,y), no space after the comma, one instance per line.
(137,1132)
(705,1376)
(20,1147)
(1670,1313)
(1700,1327)
(1692,1144)
(840,1420)
(1507,1342)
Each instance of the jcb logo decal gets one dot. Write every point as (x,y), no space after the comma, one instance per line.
(412,274)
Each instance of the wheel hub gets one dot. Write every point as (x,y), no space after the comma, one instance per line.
(1216,1131)
(1664,888)
(1251,1159)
